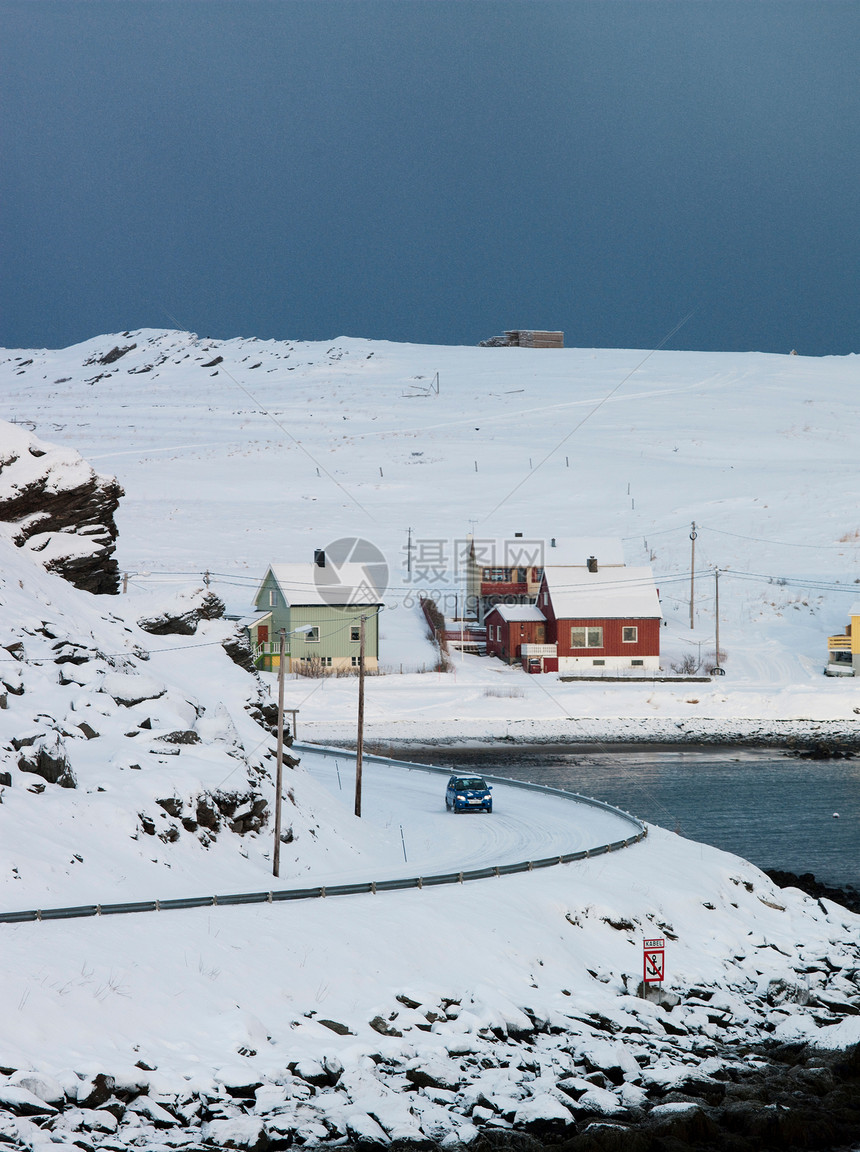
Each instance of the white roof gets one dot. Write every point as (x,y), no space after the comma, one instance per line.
(854,610)
(528,551)
(348,585)
(514,613)
(609,593)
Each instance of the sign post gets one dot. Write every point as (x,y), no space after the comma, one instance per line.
(654,961)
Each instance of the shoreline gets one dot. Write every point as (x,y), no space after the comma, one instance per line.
(590,733)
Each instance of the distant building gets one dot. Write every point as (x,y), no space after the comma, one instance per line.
(844,651)
(525,338)
(327,601)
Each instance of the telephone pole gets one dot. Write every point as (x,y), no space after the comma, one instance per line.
(359,746)
(692,569)
(717,613)
(279,776)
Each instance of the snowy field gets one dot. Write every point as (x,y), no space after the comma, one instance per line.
(234,454)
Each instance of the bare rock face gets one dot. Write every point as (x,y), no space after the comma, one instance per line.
(62,510)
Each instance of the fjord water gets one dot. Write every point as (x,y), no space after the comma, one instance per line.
(773,808)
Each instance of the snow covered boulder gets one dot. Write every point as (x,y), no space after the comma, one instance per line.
(48,758)
(131,689)
(434,1072)
(45,1087)
(246,1132)
(22,1102)
(686,1123)
(365,1130)
(542,1114)
(182,613)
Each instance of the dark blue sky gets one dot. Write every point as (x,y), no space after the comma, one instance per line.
(433,170)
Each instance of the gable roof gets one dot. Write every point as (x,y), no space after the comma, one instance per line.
(535,551)
(349,586)
(609,593)
(516,613)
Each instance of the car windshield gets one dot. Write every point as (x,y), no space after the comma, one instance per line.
(472,782)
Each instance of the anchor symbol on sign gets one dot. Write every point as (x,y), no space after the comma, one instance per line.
(653,966)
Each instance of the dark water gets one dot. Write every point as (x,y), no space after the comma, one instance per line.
(774,809)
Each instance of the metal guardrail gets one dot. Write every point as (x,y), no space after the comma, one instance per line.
(363,887)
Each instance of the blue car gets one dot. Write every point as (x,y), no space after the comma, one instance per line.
(468,793)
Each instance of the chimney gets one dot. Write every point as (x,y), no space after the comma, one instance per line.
(319,557)
(592,563)
(552,542)
(518,535)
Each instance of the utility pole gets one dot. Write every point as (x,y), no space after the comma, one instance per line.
(359,746)
(409,552)
(692,569)
(717,614)
(279,776)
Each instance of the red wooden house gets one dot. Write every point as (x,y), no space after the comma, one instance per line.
(601,617)
(509,626)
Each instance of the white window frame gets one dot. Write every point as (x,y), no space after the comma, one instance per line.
(313,637)
(634,639)
(355,633)
(273,598)
(588,631)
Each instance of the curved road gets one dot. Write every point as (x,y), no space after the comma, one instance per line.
(524,824)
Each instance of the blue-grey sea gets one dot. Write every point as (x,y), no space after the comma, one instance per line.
(775,809)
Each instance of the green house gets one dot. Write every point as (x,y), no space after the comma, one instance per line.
(319,607)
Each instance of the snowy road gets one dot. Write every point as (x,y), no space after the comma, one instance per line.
(416,835)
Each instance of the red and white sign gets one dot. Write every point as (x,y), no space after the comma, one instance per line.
(654,961)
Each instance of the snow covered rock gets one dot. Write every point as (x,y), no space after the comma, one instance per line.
(246,1132)
(129,689)
(48,758)
(62,511)
(22,1102)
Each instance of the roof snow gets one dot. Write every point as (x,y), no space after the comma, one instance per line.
(517,613)
(605,593)
(345,586)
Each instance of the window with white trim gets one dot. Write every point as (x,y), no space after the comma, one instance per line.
(313,637)
(586,637)
(273,598)
(355,633)
(630,634)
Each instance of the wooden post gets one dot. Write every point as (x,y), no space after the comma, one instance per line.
(359,746)
(692,569)
(279,775)
(717,611)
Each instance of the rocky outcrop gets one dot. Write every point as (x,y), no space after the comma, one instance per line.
(181,617)
(62,510)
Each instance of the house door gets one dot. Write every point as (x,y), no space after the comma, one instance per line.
(263,634)
(540,634)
